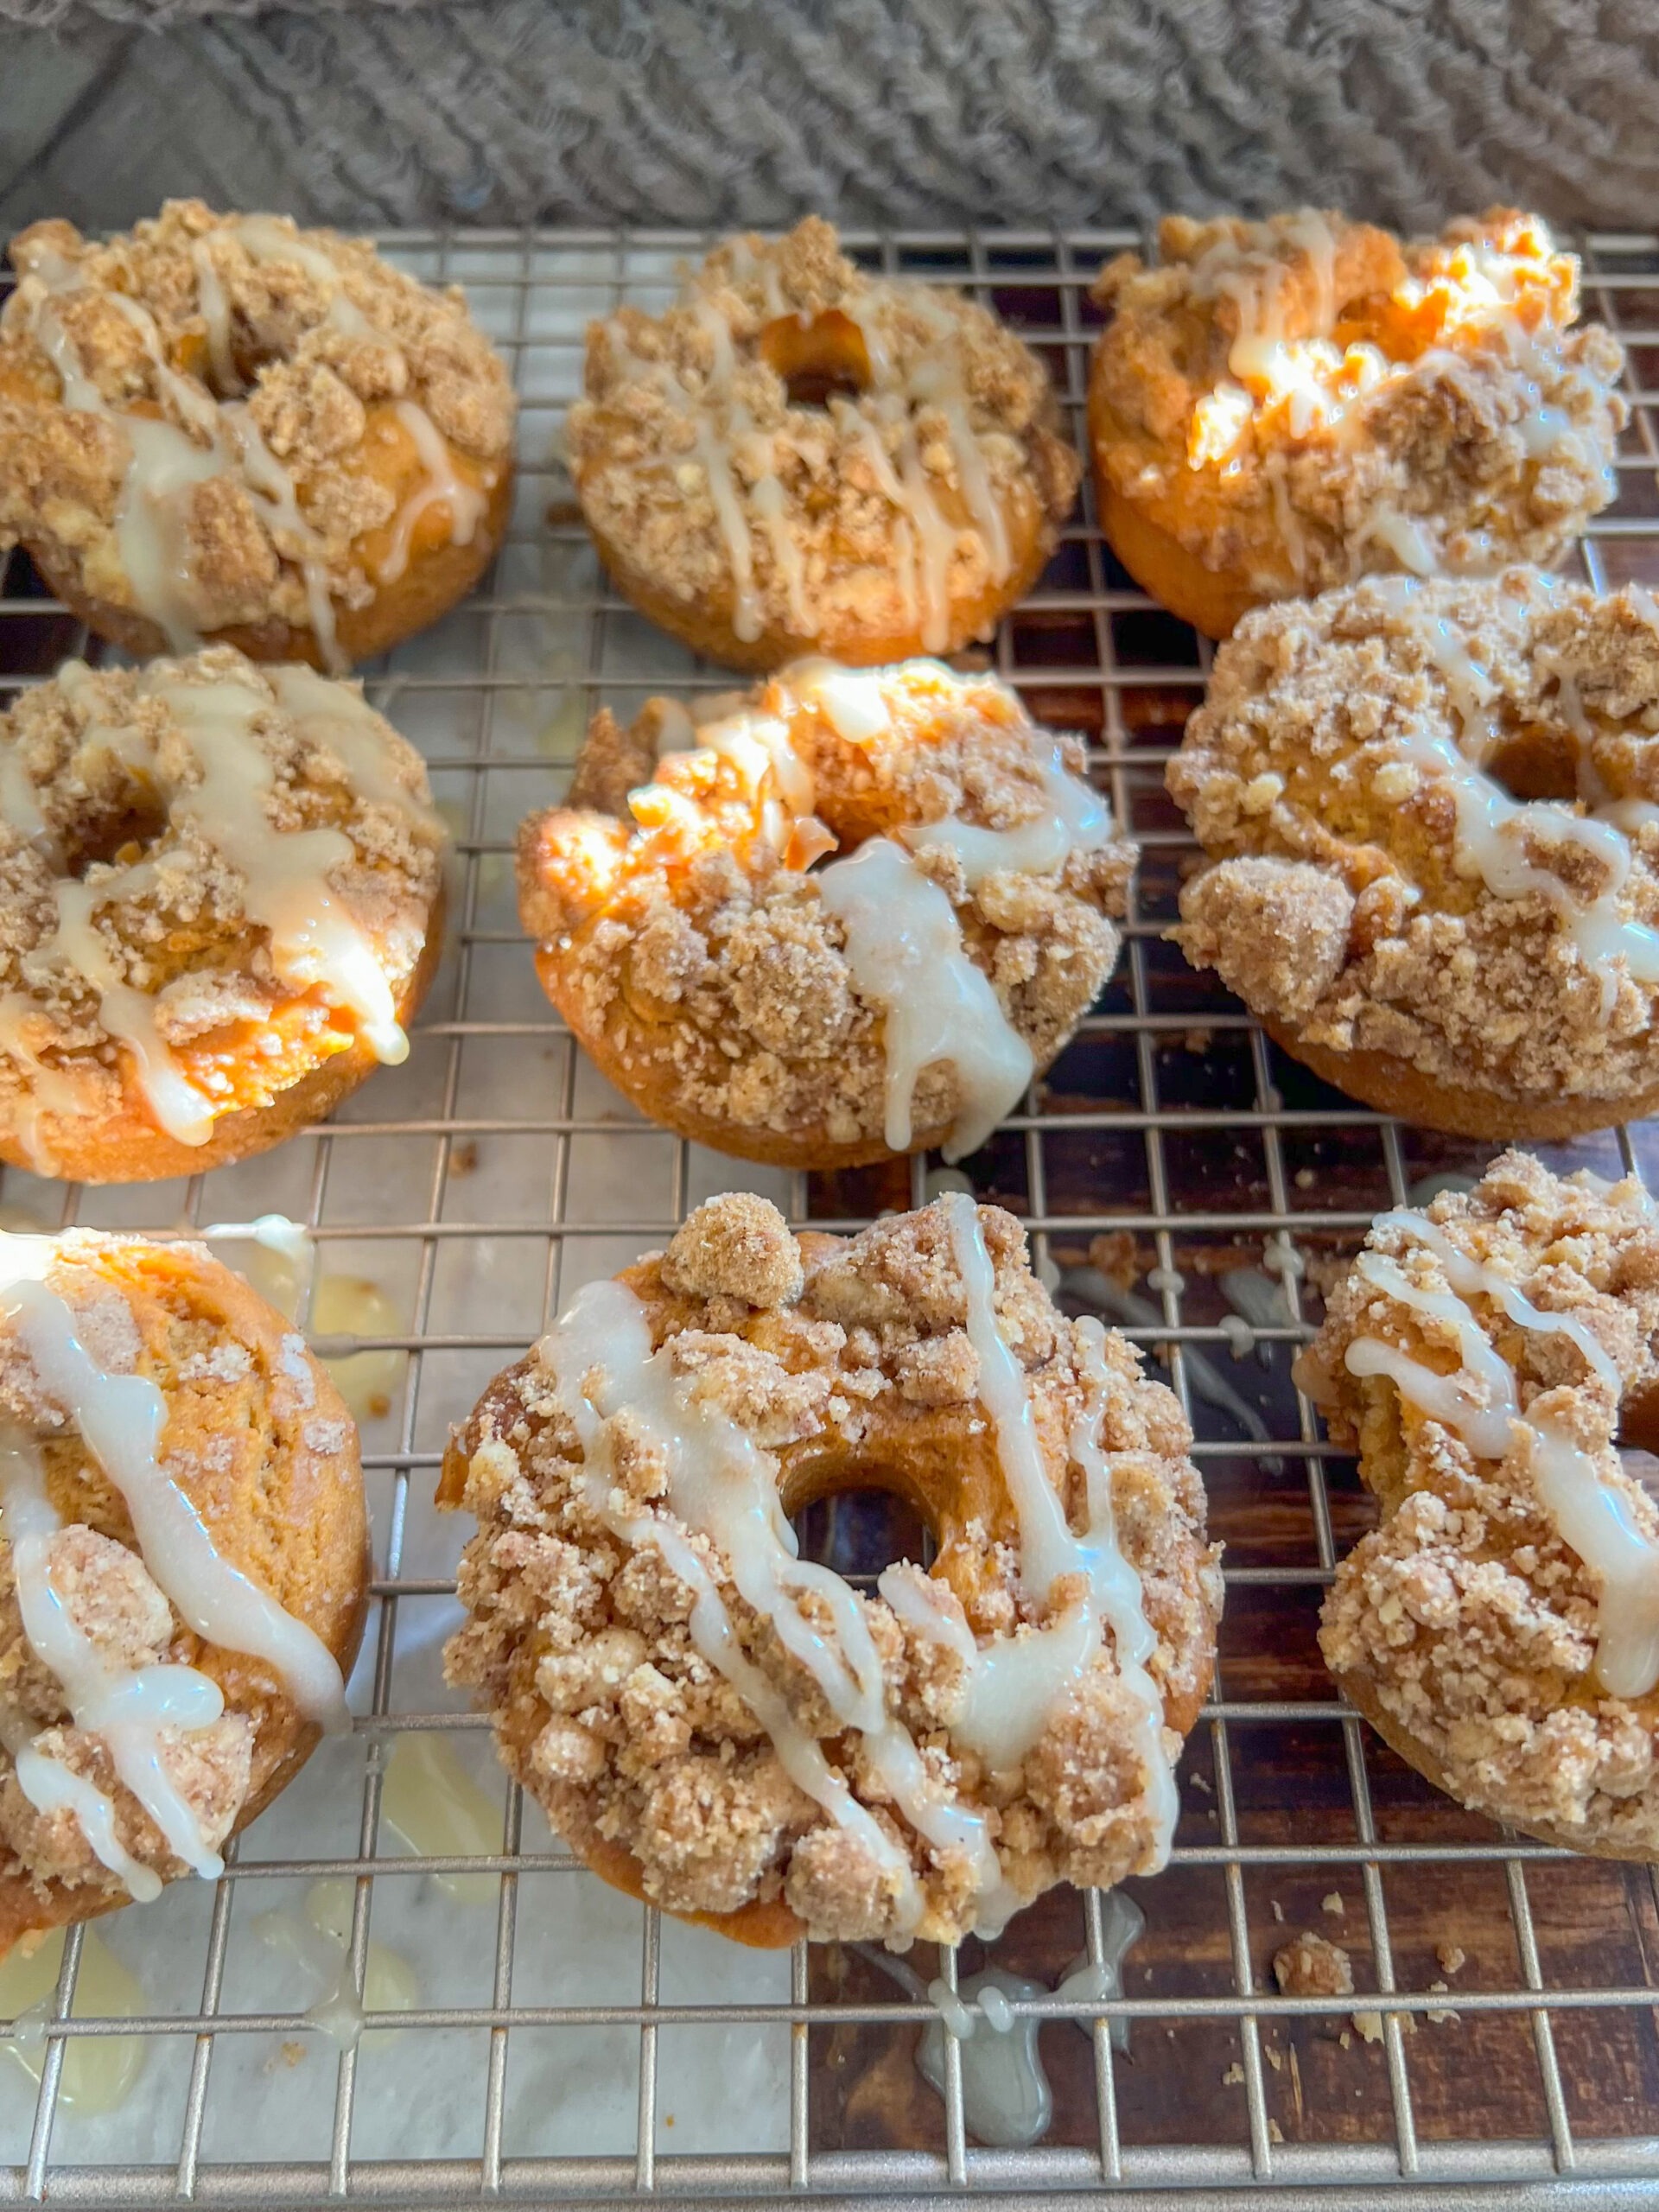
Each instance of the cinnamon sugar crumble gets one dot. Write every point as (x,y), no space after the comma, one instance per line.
(578,1644)
(313,376)
(83,751)
(1464,1617)
(1348,907)
(1313,1966)
(1306,398)
(707,964)
(643,474)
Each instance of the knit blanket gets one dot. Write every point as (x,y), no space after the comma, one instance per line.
(911,112)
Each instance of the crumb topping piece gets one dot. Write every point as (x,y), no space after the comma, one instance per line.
(1431,815)
(190,854)
(912,984)
(667,1677)
(222,420)
(1505,1618)
(1306,399)
(820,446)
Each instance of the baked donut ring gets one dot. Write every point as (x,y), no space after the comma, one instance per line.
(1276,408)
(184,1567)
(797,458)
(221,428)
(1430,812)
(1500,1629)
(739,1735)
(821,1016)
(221,895)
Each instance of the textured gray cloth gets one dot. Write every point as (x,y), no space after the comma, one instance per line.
(920,111)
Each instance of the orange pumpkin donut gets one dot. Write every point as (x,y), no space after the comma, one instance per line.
(220,897)
(183,1568)
(221,428)
(902,995)
(797,458)
(1276,408)
(1489,1357)
(739,1735)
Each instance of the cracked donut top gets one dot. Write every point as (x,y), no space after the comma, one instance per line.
(903,990)
(669,1680)
(1308,399)
(1431,812)
(213,877)
(836,452)
(183,1567)
(220,419)
(1489,1357)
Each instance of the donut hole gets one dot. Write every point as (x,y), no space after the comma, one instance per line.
(1637,1440)
(1537,762)
(820,358)
(130,819)
(859,1529)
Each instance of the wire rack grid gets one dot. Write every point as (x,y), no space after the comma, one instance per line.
(562,2044)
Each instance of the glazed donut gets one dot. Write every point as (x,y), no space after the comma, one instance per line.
(820,1016)
(1277,408)
(1500,1629)
(221,428)
(1430,814)
(183,1568)
(221,895)
(797,458)
(739,1735)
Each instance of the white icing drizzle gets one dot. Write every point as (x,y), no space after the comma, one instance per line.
(850,699)
(720,1485)
(1402,536)
(121,1418)
(126,1709)
(1076,818)
(1480,1404)
(903,946)
(215,307)
(1018,1683)
(1492,828)
(444,485)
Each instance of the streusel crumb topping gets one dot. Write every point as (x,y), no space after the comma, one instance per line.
(1308,399)
(1427,813)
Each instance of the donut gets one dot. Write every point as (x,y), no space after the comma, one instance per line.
(752,999)
(1277,408)
(797,458)
(184,1568)
(1494,1359)
(219,428)
(1429,813)
(738,1734)
(221,895)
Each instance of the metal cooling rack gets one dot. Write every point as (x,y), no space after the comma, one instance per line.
(481,1183)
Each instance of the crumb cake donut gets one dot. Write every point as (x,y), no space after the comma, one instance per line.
(1276,408)
(901,996)
(221,893)
(738,1734)
(183,1567)
(1430,813)
(1488,1358)
(221,428)
(797,458)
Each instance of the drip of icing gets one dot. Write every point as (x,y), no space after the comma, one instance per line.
(1005,2097)
(429,1799)
(722,1485)
(126,1709)
(98,2072)
(121,1418)
(444,485)
(1076,818)
(313,940)
(1404,537)
(216,315)
(1492,827)
(1017,1684)
(849,699)
(1593,1518)
(320,1941)
(903,946)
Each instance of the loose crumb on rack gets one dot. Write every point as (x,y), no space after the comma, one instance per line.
(1451,1956)
(1278,1910)
(1275,2133)
(1313,1966)
(1437,2016)
(1233,2076)
(1332,1902)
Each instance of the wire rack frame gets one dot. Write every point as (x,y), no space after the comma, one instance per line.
(1122,1143)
